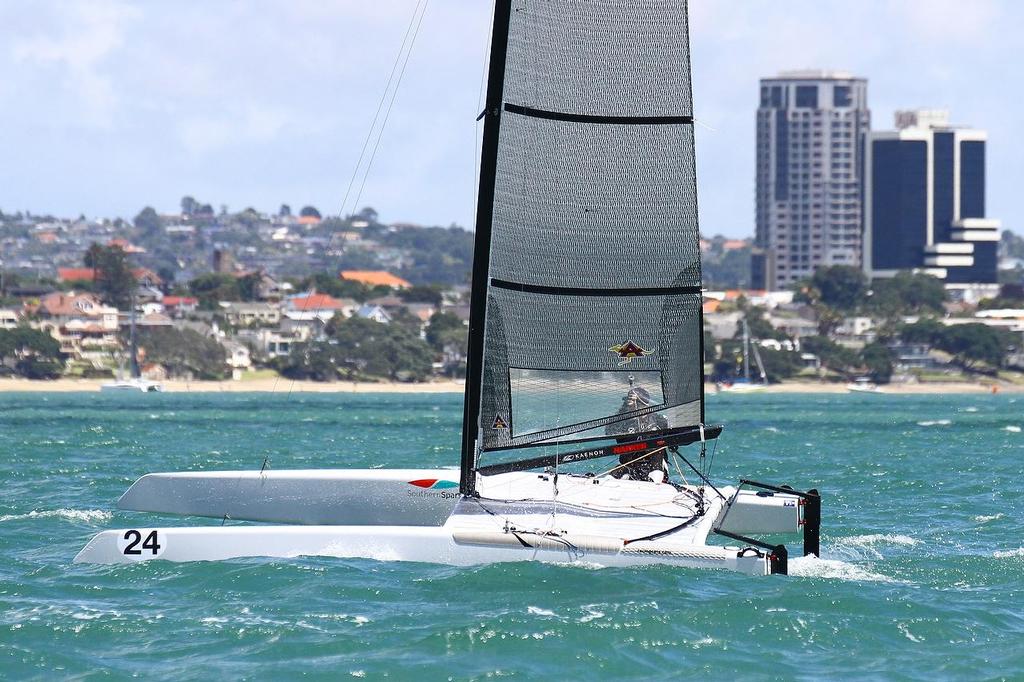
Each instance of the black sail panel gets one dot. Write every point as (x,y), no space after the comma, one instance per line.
(592,296)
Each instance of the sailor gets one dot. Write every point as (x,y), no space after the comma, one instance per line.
(654,466)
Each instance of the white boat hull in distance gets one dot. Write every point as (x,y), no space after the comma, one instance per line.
(383,497)
(387,497)
(394,543)
(134,385)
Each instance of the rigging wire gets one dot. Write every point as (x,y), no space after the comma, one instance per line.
(479,107)
(380,105)
(391,103)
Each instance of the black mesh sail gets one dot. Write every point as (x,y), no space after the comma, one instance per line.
(587,306)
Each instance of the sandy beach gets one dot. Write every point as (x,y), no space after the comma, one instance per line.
(282,385)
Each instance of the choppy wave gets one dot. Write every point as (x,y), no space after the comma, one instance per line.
(813,567)
(1012,429)
(84,515)
(880,539)
(1006,554)
(985,518)
(935,422)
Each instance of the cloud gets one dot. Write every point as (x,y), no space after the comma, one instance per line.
(89,33)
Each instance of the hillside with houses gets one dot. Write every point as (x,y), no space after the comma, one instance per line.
(219,295)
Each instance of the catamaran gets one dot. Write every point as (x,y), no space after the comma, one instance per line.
(745,384)
(585,367)
(135,382)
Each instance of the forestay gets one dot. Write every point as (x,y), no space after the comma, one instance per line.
(586,317)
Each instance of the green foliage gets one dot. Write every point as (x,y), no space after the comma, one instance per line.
(422,293)
(760,327)
(446,329)
(214,286)
(969,344)
(727,269)
(184,352)
(309,211)
(35,353)
(148,223)
(832,355)
(188,205)
(877,359)
(358,348)
(441,255)
(780,364)
(906,293)
(841,287)
(926,330)
(285,211)
(114,280)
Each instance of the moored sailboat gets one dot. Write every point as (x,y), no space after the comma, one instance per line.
(585,368)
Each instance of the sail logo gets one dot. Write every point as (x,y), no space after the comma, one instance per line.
(499,423)
(629,350)
(434,483)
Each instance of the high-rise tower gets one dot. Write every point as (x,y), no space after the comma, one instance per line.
(925,202)
(811,127)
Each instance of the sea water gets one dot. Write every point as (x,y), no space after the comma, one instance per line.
(922,573)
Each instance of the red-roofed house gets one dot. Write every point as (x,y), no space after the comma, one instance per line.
(177,306)
(80,322)
(312,305)
(143,276)
(375,278)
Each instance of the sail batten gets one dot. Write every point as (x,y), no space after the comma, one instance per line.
(592,291)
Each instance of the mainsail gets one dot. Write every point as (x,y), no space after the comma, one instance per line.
(586,306)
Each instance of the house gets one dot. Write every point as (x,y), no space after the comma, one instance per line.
(8,319)
(273,343)
(241,314)
(375,312)
(238,358)
(84,327)
(375,278)
(311,305)
(179,306)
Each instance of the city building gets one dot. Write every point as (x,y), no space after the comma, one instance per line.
(925,203)
(811,127)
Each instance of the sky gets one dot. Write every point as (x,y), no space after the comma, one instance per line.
(108,106)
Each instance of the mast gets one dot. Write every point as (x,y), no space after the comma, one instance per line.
(746,351)
(134,350)
(482,247)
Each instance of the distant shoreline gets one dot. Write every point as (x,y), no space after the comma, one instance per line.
(282,385)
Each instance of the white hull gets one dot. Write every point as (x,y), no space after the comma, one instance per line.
(596,520)
(382,497)
(392,543)
(742,388)
(132,385)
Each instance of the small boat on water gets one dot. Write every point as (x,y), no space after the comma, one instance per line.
(745,384)
(135,383)
(863,385)
(585,376)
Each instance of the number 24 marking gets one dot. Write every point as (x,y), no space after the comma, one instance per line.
(135,537)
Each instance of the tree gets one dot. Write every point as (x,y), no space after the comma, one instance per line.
(184,352)
(832,355)
(842,287)
(35,353)
(309,212)
(971,344)
(421,294)
(285,211)
(188,206)
(148,223)
(214,287)
(112,274)
(441,323)
(371,349)
(877,359)
(906,293)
